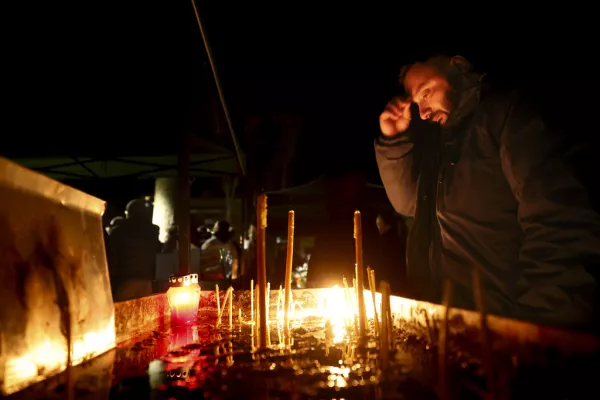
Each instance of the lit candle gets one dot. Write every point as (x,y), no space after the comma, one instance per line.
(279,299)
(362,315)
(349,303)
(268,301)
(227,294)
(218,299)
(256,311)
(373,288)
(288,275)
(384,343)
(231,308)
(184,299)
(268,310)
(252,301)
(355,313)
(261,226)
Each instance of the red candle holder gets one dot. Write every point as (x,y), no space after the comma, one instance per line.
(184,299)
(182,336)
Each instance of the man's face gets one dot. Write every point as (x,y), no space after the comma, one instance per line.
(430,89)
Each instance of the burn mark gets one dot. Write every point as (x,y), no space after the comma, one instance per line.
(46,255)
(22,271)
(14,271)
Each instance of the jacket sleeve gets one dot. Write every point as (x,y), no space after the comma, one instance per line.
(395,160)
(560,251)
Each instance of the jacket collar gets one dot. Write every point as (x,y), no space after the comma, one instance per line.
(468,93)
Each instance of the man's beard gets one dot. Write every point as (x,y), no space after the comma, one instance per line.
(439,117)
(452,100)
(443,115)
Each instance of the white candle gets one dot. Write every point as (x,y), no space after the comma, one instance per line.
(252,300)
(218,299)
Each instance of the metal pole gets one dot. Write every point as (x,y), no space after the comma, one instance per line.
(183,209)
(238,151)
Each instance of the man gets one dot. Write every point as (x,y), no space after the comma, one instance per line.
(132,247)
(116,221)
(489,190)
(220,255)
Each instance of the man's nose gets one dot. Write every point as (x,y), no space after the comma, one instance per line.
(424,112)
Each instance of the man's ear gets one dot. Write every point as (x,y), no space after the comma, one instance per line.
(461,64)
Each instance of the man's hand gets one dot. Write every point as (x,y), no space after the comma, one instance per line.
(395,118)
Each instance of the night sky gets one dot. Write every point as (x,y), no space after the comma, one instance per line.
(108,80)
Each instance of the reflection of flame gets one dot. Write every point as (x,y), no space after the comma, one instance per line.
(93,343)
(182,336)
(337,307)
(51,356)
(333,305)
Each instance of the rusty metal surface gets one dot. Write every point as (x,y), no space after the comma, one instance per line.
(135,318)
(521,333)
(428,315)
(138,316)
(132,357)
(54,285)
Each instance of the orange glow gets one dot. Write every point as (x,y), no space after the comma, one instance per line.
(180,296)
(50,357)
(184,299)
(335,305)
(338,306)
(62,311)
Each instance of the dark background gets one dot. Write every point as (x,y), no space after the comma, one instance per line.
(128,78)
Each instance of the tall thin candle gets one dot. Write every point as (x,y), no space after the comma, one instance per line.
(373,287)
(384,342)
(261,226)
(268,308)
(349,302)
(227,294)
(256,311)
(362,312)
(279,300)
(218,299)
(268,302)
(252,301)
(230,309)
(288,275)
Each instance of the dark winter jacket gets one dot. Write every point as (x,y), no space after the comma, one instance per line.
(494,191)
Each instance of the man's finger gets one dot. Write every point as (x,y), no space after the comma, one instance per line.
(393,109)
(387,114)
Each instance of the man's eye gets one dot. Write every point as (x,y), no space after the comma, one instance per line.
(425,94)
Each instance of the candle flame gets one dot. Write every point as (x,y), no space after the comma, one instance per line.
(334,307)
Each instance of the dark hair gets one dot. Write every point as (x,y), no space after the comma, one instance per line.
(222,227)
(440,61)
(116,220)
(138,208)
